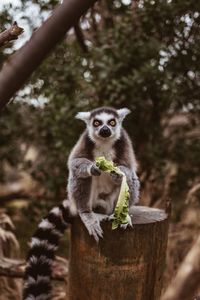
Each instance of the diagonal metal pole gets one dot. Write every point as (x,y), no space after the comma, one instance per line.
(21,65)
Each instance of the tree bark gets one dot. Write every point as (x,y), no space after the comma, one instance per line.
(10,34)
(21,65)
(126,264)
(187,280)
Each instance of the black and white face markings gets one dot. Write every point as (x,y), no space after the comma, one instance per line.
(105,123)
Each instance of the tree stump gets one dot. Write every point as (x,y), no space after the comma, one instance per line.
(125,265)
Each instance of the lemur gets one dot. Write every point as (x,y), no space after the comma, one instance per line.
(92,194)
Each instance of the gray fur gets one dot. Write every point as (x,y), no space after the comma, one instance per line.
(89,189)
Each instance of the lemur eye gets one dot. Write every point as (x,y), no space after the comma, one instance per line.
(112,122)
(96,123)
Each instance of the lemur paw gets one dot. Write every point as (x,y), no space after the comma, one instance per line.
(129,224)
(123,226)
(117,178)
(101,217)
(92,223)
(111,217)
(95,171)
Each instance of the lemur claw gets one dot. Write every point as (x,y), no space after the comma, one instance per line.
(92,221)
(129,224)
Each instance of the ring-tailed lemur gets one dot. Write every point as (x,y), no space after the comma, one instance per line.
(92,194)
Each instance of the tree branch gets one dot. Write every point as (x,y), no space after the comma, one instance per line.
(10,34)
(80,37)
(21,65)
(187,278)
(94,31)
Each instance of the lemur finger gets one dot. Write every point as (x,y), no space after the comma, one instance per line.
(97,227)
(87,220)
(111,217)
(89,228)
(117,178)
(129,224)
(95,170)
(124,226)
(95,236)
(101,217)
(92,224)
(96,231)
(99,230)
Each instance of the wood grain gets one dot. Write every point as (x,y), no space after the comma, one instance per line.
(125,265)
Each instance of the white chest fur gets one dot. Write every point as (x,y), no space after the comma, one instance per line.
(104,149)
(103,185)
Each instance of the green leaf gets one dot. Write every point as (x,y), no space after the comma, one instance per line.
(121,210)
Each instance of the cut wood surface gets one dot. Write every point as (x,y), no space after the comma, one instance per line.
(126,264)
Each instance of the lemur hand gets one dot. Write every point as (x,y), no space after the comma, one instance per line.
(95,171)
(92,221)
(117,178)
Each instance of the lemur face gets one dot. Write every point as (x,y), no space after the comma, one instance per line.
(104,123)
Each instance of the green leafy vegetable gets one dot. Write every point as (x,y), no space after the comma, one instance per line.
(121,215)
(106,165)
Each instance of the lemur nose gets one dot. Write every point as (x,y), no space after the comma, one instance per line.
(105,131)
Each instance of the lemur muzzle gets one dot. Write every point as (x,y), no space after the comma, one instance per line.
(105,131)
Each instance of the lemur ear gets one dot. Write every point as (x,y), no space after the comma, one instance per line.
(84,116)
(122,112)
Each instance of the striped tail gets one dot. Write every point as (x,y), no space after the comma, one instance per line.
(44,244)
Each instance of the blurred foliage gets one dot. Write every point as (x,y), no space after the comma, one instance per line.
(143,55)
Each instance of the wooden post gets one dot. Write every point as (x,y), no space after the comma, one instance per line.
(125,265)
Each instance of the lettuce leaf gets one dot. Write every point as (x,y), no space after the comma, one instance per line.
(121,215)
